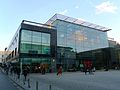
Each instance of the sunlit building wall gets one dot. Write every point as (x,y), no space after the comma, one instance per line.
(58,42)
(78,36)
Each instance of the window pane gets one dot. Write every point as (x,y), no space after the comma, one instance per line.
(45,38)
(25,41)
(36,37)
(26,35)
(45,43)
(35,42)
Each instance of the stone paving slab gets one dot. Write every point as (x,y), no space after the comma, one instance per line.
(101,80)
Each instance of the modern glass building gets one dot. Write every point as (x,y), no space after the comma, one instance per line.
(58,42)
(75,36)
(34,44)
(104,57)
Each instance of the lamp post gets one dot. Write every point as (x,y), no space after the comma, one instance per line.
(21,65)
(62,58)
(53,60)
(53,64)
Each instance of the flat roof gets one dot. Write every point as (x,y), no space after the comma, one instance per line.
(38,24)
(76,21)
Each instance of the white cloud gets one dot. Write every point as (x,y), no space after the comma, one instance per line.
(106,7)
(64,12)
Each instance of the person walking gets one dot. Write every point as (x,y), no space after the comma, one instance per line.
(25,73)
(43,70)
(18,72)
(59,71)
(85,69)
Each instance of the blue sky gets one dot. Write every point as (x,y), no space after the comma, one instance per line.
(101,12)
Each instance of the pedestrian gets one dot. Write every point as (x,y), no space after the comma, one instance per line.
(90,68)
(50,70)
(7,70)
(93,69)
(43,69)
(18,72)
(81,67)
(11,70)
(25,73)
(85,69)
(59,71)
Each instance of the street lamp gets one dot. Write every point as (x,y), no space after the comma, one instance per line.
(21,66)
(53,64)
(53,60)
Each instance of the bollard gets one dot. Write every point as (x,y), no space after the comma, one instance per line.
(24,81)
(28,83)
(36,85)
(50,87)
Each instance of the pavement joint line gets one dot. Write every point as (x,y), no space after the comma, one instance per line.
(16,83)
(13,81)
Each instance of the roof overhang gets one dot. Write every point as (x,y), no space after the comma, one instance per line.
(76,21)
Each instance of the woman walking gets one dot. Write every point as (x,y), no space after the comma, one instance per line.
(59,71)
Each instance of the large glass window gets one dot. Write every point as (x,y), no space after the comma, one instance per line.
(36,37)
(26,36)
(35,42)
(26,39)
(45,43)
(35,60)
(78,37)
(61,36)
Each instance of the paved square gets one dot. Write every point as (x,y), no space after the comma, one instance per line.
(101,80)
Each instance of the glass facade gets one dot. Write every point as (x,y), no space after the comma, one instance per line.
(39,61)
(34,42)
(12,50)
(33,46)
(54,46)
(79,38)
